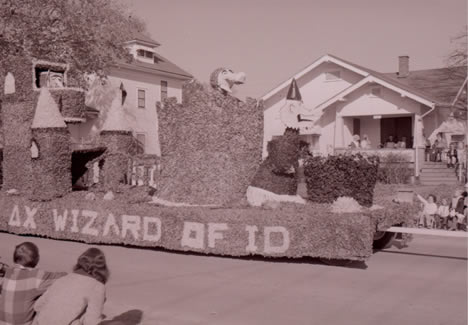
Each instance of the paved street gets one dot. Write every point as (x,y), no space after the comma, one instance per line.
(425,283)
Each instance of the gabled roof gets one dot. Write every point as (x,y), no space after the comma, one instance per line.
(313,65)
(374,79)
(140,37)
(441,84)
(431,87)
(160,65)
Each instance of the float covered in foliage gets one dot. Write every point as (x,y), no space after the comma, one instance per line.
(290,231)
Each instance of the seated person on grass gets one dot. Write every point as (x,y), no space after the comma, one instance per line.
(429,211)
(457,207)
(22,285)
(442,215)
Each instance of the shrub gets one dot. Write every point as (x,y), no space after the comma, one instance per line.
(343,175)
(394,169)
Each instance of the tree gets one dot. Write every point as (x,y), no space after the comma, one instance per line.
(458,58)
(87,34)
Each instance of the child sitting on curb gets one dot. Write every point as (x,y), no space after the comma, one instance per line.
(429,211)
(457,212)
(22,285)
(442,215)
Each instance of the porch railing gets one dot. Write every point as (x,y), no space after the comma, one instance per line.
(408,155)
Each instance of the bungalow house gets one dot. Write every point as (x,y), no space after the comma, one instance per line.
(344,99)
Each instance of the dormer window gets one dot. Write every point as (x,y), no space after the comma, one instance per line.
(145,54)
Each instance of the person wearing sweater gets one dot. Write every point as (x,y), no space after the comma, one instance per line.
(429,211)
(77,298)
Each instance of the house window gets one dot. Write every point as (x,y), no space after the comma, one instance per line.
(141,98)
(141,142)
(163,90)
(333,75)
(145,54)
(376,91)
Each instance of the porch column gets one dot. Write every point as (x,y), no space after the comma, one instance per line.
(417,143)
(339,134)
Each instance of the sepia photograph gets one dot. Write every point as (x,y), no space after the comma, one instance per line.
(249,162)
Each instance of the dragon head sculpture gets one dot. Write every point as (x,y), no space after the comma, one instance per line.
(224,79)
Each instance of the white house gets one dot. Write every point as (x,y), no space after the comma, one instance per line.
(347,99)
(145,81)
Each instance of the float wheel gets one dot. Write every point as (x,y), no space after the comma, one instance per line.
(382,239)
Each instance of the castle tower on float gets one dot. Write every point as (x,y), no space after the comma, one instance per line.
(50,150)
(116,136)
(17,111)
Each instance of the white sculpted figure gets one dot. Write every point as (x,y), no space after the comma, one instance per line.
(224,79)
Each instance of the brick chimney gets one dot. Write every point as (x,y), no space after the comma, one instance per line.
(403,66)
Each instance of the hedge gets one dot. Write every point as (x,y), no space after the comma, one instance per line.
(291,231)
(211,146)
(331,177)
(395,169)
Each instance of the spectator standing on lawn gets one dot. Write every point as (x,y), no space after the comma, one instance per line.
(22,285)
(429,211)
(78,298)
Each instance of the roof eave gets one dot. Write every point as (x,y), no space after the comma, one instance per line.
(310,67)
(373,79)
(159,72)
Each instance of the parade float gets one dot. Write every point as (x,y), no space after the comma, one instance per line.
(213,193)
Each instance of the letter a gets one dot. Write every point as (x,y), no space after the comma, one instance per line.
(15,217)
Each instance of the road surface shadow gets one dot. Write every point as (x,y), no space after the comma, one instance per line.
(426,255)
(131,317)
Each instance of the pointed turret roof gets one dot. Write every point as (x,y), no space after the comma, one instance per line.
(115,118)
(47,114)
(293,92)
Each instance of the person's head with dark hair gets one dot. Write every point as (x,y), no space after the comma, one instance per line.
(432,198)
(26,254)
(93,263)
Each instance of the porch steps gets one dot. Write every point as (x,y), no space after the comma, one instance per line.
(436,173)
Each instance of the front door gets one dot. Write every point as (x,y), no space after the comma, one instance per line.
(398,127)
